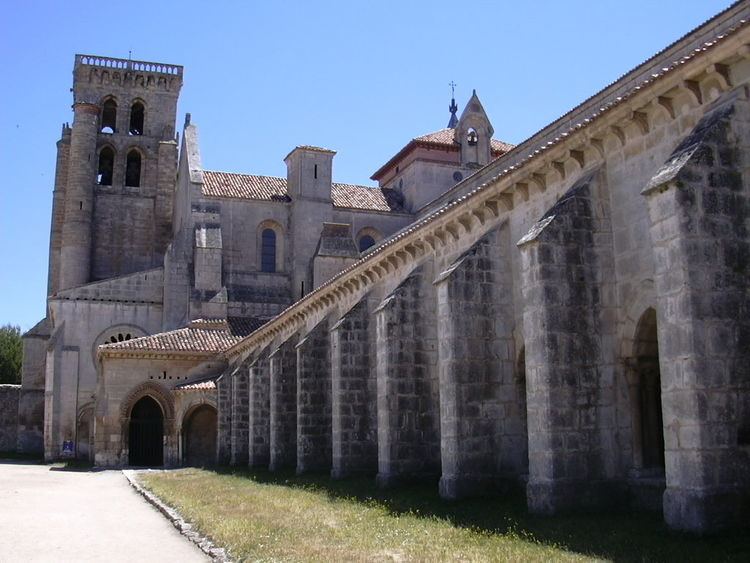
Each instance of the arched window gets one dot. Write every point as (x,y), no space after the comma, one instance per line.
(367,237)
(106,165)
(133,169)
(268,251)
(109,116)
(366,242)
(137,112)
(472,137)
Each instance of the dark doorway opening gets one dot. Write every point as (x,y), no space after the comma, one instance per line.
(146,434)
(649,392)
(200,437)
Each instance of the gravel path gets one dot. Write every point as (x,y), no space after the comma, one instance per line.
(53,515)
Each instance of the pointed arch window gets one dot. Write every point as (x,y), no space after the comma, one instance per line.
(268,251)
(137,116)
(106,165)
(133,169)
(109,116)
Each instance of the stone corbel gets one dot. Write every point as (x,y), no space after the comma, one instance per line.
(721,73)
(666,103)
(617,131)
(578,156)
(522,189)
(640,118)
(693,88)
(540,180)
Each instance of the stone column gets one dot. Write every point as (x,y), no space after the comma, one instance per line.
(482,433)
(283,403)
(239,425)
(354,394)
(224,419)
(567,281)
(75,253)
(700,219)
(260,411)
(314,401)
(407,383)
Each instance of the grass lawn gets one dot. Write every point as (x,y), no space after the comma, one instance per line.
(261,516)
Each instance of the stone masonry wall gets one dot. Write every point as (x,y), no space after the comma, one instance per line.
(224,419)
(283,403)
(314,401)
(259,449)
(354,421)
(8,416)
(566,262)
(240,404)
(700,212)
(482,427)
(408,395)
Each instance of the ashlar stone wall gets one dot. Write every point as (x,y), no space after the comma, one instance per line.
(407,381)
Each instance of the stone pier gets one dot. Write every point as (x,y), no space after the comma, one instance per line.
(354,421)
(407,382)
(259,429)
(283,405)
(700,214)
(314,400)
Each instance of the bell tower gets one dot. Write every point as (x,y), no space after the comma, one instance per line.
(116,168)
(474,133)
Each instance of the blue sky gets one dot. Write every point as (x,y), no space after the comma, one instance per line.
(261,77)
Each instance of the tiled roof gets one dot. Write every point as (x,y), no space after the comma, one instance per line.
(444,138)
(200,336)
(244,186)
(438,139)
(205,385)
(273,188)
(362,197)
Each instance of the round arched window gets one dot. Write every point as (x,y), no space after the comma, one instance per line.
(366,242)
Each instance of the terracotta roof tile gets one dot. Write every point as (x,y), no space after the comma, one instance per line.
(200,336)
(444,138)
(244,186)
(362,197)
(205,385)
(273,188)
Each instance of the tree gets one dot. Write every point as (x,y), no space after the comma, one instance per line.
(11,353)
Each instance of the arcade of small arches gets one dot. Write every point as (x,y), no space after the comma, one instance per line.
(157,432)
(108,118)
(106,166)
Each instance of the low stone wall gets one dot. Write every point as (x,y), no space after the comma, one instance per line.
(9,417)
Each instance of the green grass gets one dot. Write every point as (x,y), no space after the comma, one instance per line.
(260,516)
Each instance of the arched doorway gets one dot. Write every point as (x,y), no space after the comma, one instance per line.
(649,427)
(84,435)
(199,433)
(146,434)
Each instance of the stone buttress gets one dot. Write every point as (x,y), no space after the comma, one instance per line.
(700,219)
(407,382)
(354,423)
(314,400)
(482,412)
(283,406)
(567,277)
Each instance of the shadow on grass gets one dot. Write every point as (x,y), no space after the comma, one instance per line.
(619,535)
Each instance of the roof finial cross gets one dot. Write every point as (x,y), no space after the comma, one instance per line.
(453,108)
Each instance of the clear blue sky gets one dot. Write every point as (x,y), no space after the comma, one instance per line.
(261,77)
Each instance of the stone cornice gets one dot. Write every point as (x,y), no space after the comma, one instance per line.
(580,146)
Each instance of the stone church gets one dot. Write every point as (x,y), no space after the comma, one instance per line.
(570,315)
